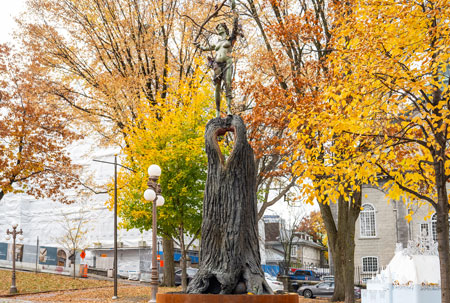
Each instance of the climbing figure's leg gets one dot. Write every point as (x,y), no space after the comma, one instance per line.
(228,78)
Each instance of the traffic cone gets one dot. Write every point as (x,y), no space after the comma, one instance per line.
(85,271)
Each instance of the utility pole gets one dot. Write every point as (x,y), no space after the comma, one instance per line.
(115,219)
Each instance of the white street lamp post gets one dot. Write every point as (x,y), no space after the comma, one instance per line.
(153,193)
(14,233)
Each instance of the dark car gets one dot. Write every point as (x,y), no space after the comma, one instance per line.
(190,271)
(324,289)
(304,274)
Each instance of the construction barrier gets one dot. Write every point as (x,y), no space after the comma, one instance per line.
(83,270)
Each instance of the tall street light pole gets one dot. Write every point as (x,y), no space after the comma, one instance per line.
(115,228)
(115,219)
(153,193)
(14,233)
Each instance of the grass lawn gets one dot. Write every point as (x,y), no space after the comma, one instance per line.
(126,293)
(28,282)
(67,289)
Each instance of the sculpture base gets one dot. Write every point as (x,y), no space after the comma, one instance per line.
(208,298)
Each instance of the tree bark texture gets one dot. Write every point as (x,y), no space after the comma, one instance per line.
(353,209)
(169,264)
(183,260)
(230,259)
(341,241)
(442,233)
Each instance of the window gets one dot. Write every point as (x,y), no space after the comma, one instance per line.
(326,285)
(433,227)
(367,221)
(370,264)
(424,230)
(294,251)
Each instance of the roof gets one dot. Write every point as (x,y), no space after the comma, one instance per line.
(273,255)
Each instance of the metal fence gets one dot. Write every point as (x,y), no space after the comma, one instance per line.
(361,276)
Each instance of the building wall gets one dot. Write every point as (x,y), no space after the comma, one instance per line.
(309,256)
(390,228)
(421,215)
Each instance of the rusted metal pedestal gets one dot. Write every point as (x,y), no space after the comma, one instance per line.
(207,298)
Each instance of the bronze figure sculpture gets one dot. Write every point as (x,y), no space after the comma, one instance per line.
(230,258)
(222,63)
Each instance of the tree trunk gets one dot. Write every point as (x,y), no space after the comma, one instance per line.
(443,249)
(339,268)
(342,244)
(230,259)
(169,264)
(74,262)
(183,260)
(442,234)
(340,248)
(353,209)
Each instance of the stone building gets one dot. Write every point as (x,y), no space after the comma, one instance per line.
(381,225)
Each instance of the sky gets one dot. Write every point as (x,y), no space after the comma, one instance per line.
(9,10)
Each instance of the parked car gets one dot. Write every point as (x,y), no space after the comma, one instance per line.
(276,285)
(303,274)
(327,278)
(323,289)
(190,271)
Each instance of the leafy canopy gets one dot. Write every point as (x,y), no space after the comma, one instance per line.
(170,135)
(33,139)
(392,80)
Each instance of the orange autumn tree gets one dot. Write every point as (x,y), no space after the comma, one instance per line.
(103,56)
(291,118)
(33,140)
(267,99)
(314,226)
(392,60)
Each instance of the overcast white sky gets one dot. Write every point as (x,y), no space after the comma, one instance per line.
(8,10)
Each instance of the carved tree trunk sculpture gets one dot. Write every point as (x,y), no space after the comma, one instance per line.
(230,259)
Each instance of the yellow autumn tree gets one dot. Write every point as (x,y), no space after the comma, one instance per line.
(391,67)
(287,92)
(171,136)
